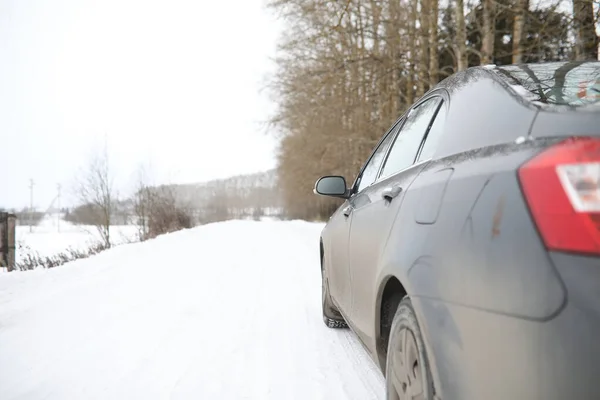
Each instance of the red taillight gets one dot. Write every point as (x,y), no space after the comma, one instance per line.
(562,187)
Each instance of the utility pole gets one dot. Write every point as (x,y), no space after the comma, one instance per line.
(59,212)
(31,184)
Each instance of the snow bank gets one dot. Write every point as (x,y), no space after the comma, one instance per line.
(224,311)
(48,238)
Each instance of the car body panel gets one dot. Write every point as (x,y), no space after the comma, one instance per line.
(472,261)
(575,123)
(371,225)
(484,355)
(501,316)
(431,196)
(335,246)
(484,243)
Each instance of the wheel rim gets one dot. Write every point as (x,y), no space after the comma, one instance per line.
(406,373)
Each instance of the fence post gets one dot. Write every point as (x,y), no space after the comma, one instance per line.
(12,240)
(7,240)
(3,240)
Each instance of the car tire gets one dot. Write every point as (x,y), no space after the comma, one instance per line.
(407,371)
(331,315)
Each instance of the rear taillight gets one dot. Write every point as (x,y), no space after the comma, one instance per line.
(562,188)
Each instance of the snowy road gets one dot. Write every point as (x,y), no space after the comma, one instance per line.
(224,311)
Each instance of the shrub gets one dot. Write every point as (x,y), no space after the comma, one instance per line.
(158,212)
(33,260)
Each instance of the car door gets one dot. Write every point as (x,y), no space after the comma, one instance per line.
(340,223)
(374,210)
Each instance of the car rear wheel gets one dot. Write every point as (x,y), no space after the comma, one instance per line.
(331,315)
(408,376)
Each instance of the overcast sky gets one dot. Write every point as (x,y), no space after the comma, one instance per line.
(171,83)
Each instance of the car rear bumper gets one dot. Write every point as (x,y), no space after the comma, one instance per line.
(482,355)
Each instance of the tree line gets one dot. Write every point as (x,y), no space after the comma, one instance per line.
(347,69)
(159,209)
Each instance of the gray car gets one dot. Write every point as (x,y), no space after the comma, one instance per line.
(466,254)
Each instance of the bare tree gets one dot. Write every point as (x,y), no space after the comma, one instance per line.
(141,203)
(158,209)
(423,65)
(433,42)
(165,213)
(412,19)
(521,8)
(461,37)
(586,46)
(95,190)
(489,32)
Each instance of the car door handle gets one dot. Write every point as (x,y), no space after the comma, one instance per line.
(347,211)
(390,192)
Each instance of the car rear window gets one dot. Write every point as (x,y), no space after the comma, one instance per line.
(573,84)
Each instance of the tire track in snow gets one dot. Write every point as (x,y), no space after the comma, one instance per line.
(347,348)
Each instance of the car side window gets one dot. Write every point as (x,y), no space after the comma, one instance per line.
(404,149)
(433,136)
(370,171)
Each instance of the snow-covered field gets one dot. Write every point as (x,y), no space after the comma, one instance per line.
(50,237)
(224,311)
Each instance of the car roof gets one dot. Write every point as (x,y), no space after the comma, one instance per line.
(563,96)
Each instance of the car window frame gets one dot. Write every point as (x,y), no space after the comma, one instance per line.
(443,95)
(443,104)
(398,124)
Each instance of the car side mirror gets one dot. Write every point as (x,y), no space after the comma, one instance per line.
(333,186)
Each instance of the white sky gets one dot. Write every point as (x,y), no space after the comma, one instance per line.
(174,83)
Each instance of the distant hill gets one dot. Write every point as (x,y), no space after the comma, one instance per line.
(240,196)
